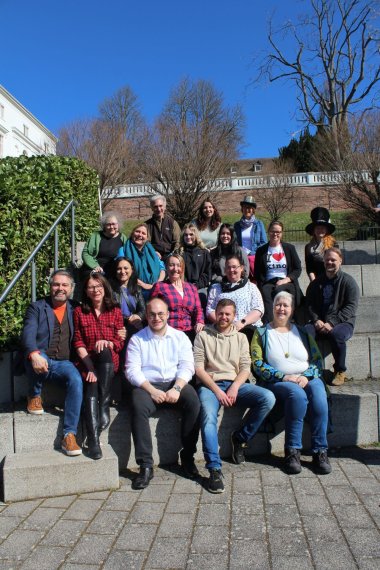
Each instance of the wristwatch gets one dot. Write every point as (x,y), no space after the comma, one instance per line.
(177,388)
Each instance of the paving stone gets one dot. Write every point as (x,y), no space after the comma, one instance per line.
(184,504)
(95,495)
(355,470)
(91,549)
(22,509)
(248,527)
(369,563)
(372,503)
(287,541)
(285,516)
(331,555)
(176,525)
(42,519)
(353,516)
(210,539)
(9,565)
(121,501)
(46,558)
(18,544)
(168,553)
(186,486)
(59,502)
(204,561)
(274,477)
(363,542)
(313,504)
(68,566)
(214,498)
(278,495)
(307,486)
(83,509)
(254,555)
(65,533)
(107,522)
(122,560)
(342,495)
(322,528)
(247,505)
(8,525)
(147,513)
(292,562)
(366,486)
(247,485)
(218,515)
(156,493)
(136,537)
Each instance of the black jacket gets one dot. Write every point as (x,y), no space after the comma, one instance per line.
(197,266)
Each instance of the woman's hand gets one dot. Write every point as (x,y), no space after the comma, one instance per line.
(199,327)
(134,319)
(102,344)
(97,269)
(302,381)
(143,285)
(283,281)
(122,333)
(239,325)
(91,377)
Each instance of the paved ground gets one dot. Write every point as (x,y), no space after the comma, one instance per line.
(265,520)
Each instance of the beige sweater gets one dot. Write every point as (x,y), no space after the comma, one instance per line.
(223,356)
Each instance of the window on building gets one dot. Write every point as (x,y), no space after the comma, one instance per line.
(24,152)
(257,166)
(1,146)
(46,148)
(26,130)
(1,111)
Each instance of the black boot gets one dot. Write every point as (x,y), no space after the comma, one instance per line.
(105,373)
(92,425)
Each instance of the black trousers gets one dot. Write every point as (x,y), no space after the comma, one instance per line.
(143,407)
(268,292)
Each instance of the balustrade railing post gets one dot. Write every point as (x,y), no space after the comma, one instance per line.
(33,280)
(73,234)
(56,246)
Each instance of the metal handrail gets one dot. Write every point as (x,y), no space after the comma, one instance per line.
(30,261)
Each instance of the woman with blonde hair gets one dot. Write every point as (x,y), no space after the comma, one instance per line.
(197,259)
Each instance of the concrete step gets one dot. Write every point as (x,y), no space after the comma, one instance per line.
(354,252)
(49,473)
(366,276)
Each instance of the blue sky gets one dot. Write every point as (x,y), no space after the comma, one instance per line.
(63,57)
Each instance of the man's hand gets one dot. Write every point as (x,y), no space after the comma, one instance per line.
(232,393)
(327,328)
(172,396)
(122,333)
(223,399)
(158,396)
(39,363)
(102,344)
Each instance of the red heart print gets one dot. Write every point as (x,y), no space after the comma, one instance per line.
(278,256)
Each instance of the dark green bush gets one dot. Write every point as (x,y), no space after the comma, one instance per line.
(33,192)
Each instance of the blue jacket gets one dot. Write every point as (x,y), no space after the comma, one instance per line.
(39,325)
(258,235)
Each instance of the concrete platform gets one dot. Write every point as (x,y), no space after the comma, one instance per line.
(50,473)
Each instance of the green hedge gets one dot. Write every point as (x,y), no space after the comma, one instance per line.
(33,192)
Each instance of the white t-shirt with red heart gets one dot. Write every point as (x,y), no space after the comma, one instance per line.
(277,268)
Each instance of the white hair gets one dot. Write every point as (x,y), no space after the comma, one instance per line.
(154,199)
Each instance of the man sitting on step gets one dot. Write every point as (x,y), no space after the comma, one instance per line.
(46,344)
(159,366)
(332,300)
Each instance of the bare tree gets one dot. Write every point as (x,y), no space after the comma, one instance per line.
(107,143)
(334,64)
(279,196)
(192,143)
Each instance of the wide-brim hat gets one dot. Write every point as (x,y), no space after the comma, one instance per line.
(249,201)
(320,217)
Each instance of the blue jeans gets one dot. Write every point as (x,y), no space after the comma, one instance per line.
(61,371)
(338,337)
(259,400)
(296,402)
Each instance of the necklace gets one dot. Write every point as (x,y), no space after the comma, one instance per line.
(278,335)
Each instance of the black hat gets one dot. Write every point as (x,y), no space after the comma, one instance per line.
(249,200)
(320,217)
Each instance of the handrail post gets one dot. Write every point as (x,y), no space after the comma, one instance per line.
(33,271)
(73,234)
(56,252)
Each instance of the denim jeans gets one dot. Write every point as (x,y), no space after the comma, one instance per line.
(298,401)
(259,400)
(60,371)
(338,337)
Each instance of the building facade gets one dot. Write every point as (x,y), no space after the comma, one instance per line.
(20,132)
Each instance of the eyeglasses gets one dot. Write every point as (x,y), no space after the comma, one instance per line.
(159,315)
(275,233)
(95,288)
(233,267)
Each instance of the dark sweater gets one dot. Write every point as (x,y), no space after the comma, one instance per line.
(197,266)
(344,306)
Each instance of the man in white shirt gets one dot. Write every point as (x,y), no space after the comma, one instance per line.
(159,365)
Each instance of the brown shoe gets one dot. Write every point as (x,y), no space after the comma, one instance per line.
(70,446)
(339,379)
(35,406)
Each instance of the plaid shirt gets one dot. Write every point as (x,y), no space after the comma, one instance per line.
(185,312)
(88,328)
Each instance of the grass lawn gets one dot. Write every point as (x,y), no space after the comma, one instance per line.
(294,223)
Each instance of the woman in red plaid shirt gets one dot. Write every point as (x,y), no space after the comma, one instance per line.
(97,341)
(185,311)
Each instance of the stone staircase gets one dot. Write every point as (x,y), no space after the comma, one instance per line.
(33,466)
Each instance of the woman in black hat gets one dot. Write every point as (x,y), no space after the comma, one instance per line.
(320,229)
(250,232)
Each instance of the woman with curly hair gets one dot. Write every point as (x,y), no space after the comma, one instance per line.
(321,231)
(226,246)
(208,223)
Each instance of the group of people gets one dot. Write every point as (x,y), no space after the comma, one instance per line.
(186,316)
